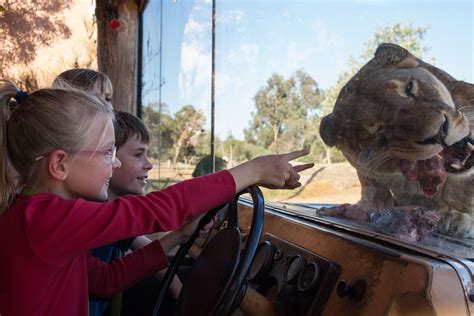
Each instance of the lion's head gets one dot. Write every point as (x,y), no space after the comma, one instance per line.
(401,115)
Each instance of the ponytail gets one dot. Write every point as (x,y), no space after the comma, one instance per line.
(7,174)
(46,119)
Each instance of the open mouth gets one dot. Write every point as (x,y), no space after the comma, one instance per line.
(432,172)
(143,179)
(459,157)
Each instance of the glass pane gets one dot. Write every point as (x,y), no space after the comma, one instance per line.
(176,87)
(280,66)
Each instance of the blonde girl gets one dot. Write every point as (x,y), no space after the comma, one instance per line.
(99,84)
(46,232)
(89,80)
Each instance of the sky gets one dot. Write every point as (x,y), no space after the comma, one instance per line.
(255,39)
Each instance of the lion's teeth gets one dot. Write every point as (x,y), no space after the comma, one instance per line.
(470,146)
(456,166)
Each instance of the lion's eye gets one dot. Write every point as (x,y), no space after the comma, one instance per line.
(409,89)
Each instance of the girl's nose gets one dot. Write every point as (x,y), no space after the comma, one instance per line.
(116,164)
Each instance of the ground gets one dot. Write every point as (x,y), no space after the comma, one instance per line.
(333,184)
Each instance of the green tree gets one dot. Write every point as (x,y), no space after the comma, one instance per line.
(283,107)
(161,131)
(188,125)
(204,166)
(406,35)
(237,151)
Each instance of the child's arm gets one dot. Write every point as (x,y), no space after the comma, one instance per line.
(272,171)
(106,279)
(167,242)
(170,241)
(58,228)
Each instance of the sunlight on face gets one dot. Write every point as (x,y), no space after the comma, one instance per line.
(131,177)
(92,169)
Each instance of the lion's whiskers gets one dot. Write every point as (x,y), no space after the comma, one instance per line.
(376,161)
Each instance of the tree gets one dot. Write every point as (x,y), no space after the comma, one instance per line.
(236,151)
(204,166)
(24,25)
(161,131)
(406,35)
(283,108)
(188,125)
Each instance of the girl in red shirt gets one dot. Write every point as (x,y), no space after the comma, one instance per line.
(61,144)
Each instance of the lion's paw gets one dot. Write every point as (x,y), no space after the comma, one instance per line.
(456,224)
(357,211)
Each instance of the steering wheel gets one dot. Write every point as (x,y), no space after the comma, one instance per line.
(216,283)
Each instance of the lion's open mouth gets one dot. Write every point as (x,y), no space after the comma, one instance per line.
(431,173)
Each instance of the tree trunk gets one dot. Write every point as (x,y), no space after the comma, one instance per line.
(179,144)
(276,128)
(328,154)
(117,49)
(176,155)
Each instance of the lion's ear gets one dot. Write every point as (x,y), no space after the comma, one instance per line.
(390,54)
(327,130)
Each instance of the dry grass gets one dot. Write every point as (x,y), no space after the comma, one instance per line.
(331,184)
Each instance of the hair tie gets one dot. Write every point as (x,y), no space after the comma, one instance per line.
(21,96)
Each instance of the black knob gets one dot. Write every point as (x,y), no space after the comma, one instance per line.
(343,288)
(355,292)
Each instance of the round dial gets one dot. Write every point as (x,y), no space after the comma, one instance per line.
(262,262)
(295,265)
(309,277)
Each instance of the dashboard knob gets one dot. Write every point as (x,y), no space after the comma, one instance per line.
(262,262)
(309,277)
(295,266)
(355,292)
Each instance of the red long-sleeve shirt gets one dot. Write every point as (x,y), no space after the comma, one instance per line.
(45,242)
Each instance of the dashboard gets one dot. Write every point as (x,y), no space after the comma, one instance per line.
(308,268)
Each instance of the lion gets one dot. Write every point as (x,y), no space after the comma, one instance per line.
(407,128)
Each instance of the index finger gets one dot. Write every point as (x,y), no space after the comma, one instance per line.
(303,167)
(296,154)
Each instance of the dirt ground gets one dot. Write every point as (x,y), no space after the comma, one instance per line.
(332,184)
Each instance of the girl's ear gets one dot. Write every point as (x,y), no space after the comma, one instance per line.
(58,163)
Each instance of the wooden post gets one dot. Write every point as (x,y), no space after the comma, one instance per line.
(117,49)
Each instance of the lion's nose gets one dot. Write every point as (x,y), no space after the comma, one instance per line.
(439,137)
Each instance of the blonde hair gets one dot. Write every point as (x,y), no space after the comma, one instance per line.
(86,79)
(46,120)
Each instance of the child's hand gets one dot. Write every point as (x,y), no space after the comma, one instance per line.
(188,229)
(276,171)
(273,171)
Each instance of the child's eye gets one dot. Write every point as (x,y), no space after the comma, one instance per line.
(112,153)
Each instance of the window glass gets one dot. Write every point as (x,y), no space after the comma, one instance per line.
(395,138)
(280,66)
(176,88)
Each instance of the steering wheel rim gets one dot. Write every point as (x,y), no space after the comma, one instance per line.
(230,297)
(231,294)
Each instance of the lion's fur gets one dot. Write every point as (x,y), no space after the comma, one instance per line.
(374,122)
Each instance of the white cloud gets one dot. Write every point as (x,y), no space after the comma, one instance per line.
(229,17)
(326,39)
(297,55)
(194,28)
(246,54)
(195,73)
